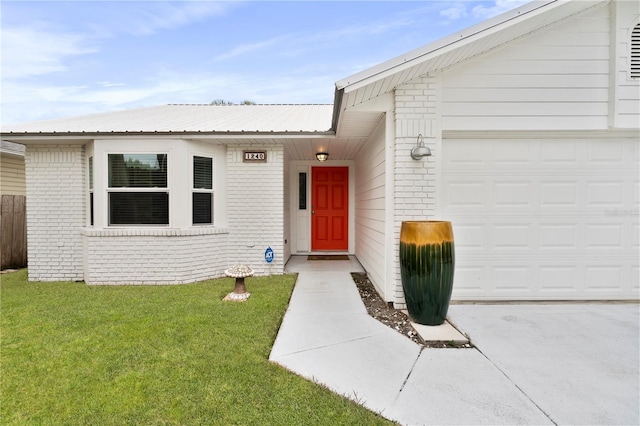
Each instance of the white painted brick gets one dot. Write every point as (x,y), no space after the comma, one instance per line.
(256,207)
(60,248)
(414,185)
(55,211)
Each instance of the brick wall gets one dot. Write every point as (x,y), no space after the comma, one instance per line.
(55,211)
(255,193)
(62,247)
(155,256)
(417,111)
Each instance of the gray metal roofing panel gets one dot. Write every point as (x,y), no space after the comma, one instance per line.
(190,118)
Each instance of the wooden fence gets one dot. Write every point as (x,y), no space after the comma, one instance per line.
(13,232)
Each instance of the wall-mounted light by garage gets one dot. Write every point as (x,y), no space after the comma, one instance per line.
(322,156)
(420,150)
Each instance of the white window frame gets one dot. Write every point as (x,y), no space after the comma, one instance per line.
(195,190)
(91,182)
(110,190)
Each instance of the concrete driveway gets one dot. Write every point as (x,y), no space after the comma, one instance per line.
(574,363)
(577,362)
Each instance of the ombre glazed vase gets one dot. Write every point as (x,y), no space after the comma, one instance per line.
(427,262)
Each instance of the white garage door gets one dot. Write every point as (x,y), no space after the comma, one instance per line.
(543,219)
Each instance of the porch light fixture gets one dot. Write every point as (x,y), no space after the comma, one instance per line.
(420,150)
(322,156)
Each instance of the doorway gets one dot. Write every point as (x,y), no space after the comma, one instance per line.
(330,208)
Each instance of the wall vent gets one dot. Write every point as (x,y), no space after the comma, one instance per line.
(635,52)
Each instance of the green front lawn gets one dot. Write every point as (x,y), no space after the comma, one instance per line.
(75,354)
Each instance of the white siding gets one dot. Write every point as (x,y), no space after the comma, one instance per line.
(557,78)
(256,201)
(370,207)
(627,90)
(12,176)
(55,211)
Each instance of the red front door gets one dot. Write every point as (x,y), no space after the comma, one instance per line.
(330,208)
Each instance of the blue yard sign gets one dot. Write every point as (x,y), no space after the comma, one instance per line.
(268,255)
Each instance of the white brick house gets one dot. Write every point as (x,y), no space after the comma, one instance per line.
(532,119)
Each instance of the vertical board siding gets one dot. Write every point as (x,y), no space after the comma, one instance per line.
(370,207)
(553,79)
(13,232)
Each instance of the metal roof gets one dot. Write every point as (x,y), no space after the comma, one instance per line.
(209,119)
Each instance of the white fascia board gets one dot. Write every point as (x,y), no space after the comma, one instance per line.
(82,138)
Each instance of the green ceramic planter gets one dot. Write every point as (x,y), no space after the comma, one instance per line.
(427,262)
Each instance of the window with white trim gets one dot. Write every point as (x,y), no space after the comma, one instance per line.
(202,191)
(138,193)
(91,191)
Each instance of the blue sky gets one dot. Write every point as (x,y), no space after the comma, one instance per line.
(61,59)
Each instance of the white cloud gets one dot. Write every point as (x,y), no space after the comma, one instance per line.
(32,51)
(299,44)
(458,11)
(24,101)
(174,15)
(500,6)
(252,47)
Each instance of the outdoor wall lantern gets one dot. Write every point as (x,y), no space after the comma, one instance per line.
(420,150)
(322,156)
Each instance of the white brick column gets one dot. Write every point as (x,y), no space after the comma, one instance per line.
(56,197)
(255,194)
(417,112)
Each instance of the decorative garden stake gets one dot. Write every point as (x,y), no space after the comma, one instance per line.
(427,263)
(239,272)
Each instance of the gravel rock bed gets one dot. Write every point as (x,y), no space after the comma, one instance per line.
(391,317)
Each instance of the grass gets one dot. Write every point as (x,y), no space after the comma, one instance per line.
(77,354)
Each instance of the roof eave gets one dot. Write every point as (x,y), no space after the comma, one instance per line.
(81,137)
(337,108)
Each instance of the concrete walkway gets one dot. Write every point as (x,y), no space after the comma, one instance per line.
(533,364)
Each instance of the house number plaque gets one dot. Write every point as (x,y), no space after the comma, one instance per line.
(254,156)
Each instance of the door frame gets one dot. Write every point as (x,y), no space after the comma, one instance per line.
(300,220)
